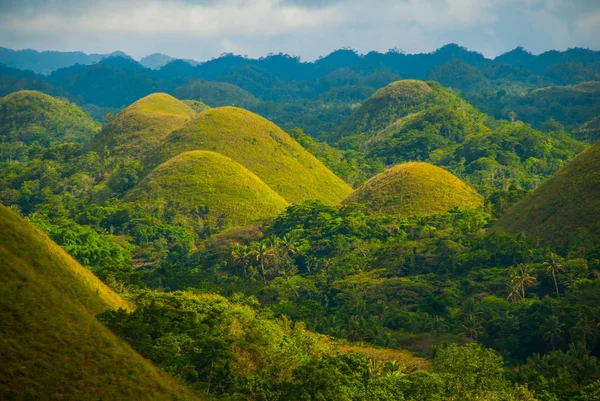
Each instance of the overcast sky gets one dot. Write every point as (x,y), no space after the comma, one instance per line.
(203,29)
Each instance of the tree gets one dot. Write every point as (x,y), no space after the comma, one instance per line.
(552,330)
(261,252)
(554,265)
(522,278)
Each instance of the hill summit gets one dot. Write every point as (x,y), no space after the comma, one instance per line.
(564,207)
(414,189)
(141,126)
(260,146)
(29,116)
(207,179)
(52,345)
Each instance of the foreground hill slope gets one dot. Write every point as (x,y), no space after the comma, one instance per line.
(564,206)
(141,126)
(28,116)
(414,189)
(261,147)
(207,179)
(52,345)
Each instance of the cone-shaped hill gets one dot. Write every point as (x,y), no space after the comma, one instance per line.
(30,116)
(260,146)
(52,345)
(141,126)
(564,207)
(206,179)
(389,106)
(415,189)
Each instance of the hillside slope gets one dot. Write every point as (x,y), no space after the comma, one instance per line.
(566,206)
(414,189)
(52,345)
(141,126)
(207,179)
(261,147)
(30,116)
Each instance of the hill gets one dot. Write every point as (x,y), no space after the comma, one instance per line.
(414,189)
(393,102)
(31,116)
(564,207)
(590,131)
(206,179)
(215,94)
(52,345)
(261,147)
(141,126)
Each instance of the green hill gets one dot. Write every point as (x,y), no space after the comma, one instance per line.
(30,116)
(200,178)
(215,94)
(590,131)
(261,147)
(414,189)
(396,101)
(141,126)
(566,206)
(52,345)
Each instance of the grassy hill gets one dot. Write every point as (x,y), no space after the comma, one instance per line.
(200,178)
(566,206)
(396,101)
(215,94)
(141,126)
(261,147)
(52,345)
(30,116)
(414,189)
(590,131)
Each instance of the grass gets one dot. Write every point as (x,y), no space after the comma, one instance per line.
(197,105)
(261,147)
(30,116)
(415,189)
(394,102)
(215,94)
(141,126)
(562,207)
(202,178)
(51,344)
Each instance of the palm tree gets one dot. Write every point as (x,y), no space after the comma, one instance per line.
(262,251)
(241,254)
(523,278)
(552,329)
(553,265)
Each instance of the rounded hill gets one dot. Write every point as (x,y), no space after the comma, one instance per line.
(260,146)
(415,189)
(396,101)
(215,94)
(202,179)
(565,207)
(141,126)
(52,345)
(32,116)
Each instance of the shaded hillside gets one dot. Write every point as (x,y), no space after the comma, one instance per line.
(414,189)
(564,208)
(200,179)
(261,147)
(52,345)
(215,94)
(141,126)
(31,116)
(590,131)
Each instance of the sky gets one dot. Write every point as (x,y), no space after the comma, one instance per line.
(204,29)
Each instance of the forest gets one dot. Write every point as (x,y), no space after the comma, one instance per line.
(364,227)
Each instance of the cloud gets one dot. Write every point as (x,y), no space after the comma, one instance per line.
(202,29)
